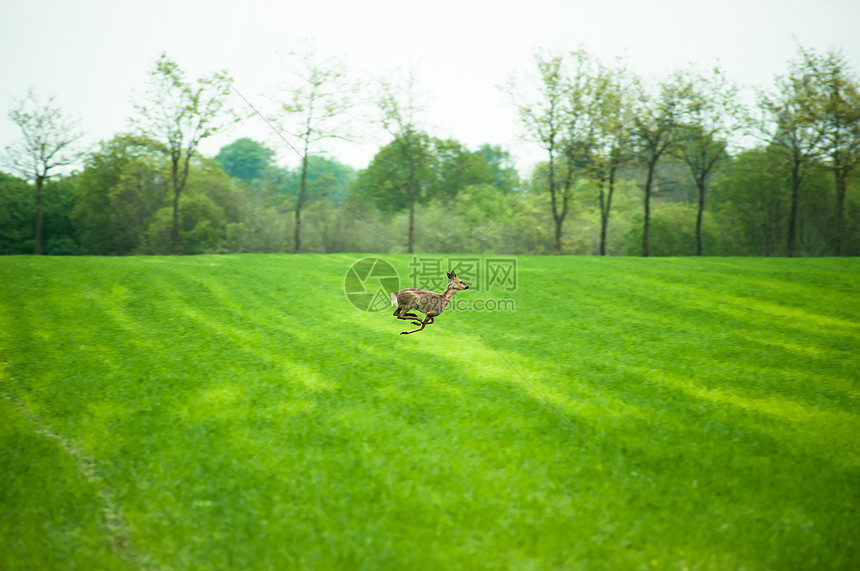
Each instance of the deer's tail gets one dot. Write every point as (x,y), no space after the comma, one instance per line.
(393,298)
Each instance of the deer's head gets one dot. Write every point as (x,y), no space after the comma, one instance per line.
(456,283)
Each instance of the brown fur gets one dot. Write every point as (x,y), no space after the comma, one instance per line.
(429,303)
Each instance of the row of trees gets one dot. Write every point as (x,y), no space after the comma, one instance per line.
(676,167)
(592,119)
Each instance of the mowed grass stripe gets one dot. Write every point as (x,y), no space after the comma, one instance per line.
(724,389)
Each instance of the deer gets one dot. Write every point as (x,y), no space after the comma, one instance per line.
(427,302)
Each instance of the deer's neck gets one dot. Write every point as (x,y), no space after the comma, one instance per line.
(448,294)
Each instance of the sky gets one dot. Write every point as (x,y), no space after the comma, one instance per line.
(94,55)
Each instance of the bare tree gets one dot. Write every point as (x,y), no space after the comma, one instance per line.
(178,114)
(51,141)
(322,95)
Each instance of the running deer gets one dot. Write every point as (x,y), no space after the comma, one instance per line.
(429,303)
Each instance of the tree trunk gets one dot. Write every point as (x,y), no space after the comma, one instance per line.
(652,165)
(605,209)
(174,229)
(559,222)
(297,237)
(409,248)
(603,220)
(791,246)
(699,214)
(410,245)
(38,247)
(840,208)
(410,166)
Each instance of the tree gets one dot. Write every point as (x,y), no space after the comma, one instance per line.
(209,204)
(331,175)
(791,124)
(245,159)
(395,180)
(655,129)
(321,96)
(135,198)
(93,216)
(750,202)
(544,117)
(711,114)
(51,141)
(179,114)
(673,231)
(612,139)
(502,170)
(453,167)
(443,171)
(562,118)
(16,216)
(838,109)
(399,110)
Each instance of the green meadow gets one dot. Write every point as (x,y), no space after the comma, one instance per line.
(238,412)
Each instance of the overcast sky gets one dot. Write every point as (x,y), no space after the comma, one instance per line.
(93,55)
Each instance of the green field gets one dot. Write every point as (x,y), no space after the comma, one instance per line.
(134,390)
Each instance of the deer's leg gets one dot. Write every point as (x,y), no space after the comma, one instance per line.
(428,319)
(406,316)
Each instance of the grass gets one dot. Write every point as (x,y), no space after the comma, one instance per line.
(136,389)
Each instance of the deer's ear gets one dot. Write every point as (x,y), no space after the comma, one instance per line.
(451,275)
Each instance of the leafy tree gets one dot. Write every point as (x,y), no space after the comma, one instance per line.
(791,123)
(443,169)
(321,95)
(333,180)
(210,202)
(16,215)
(208,178)
(750,203)
(142,189)
(656,118)
(453,167)
(245,159)
(408,151)
(710,115)
(93,216)
(396,178)
(179,114)
(50,141)
(544,116)
(502,170)
(838,109)
(562,116)
(612,139)
(59,232)
(673,231)
(199,221)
